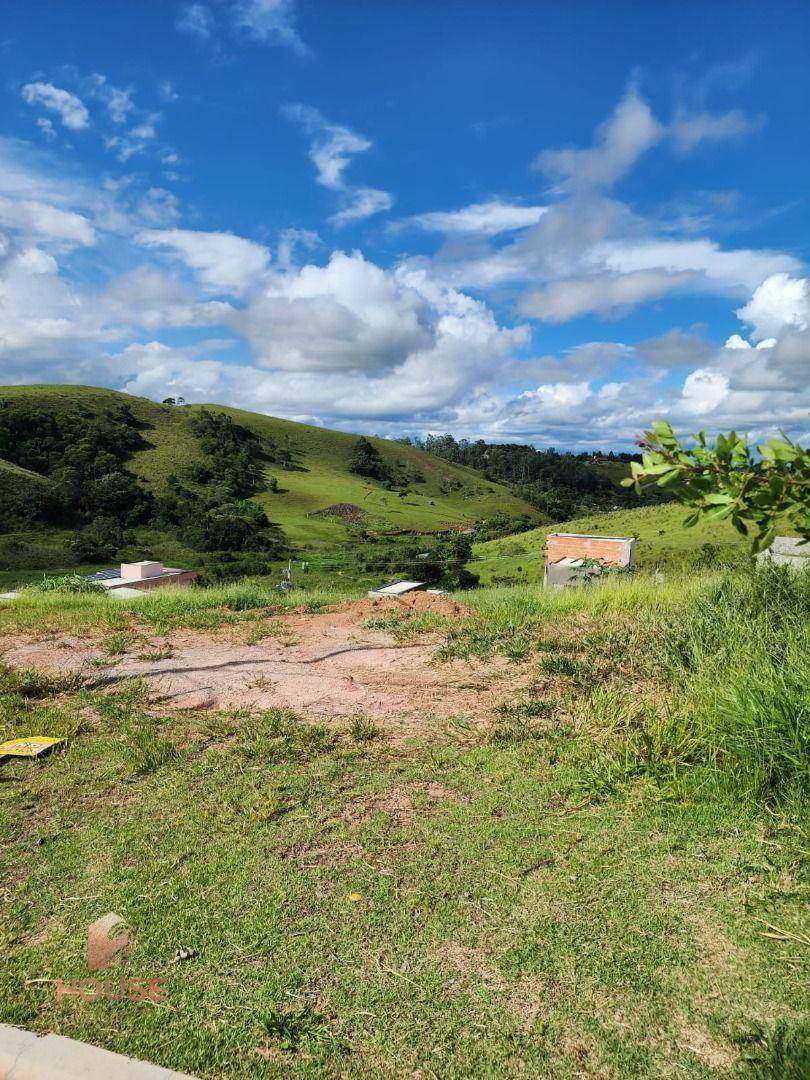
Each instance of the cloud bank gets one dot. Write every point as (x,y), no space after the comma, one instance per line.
(449,340)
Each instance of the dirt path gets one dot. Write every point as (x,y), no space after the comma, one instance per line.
(323,666)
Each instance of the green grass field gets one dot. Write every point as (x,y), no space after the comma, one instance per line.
(662,541)
(611,880)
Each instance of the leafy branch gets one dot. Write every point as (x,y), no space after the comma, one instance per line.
(728,480)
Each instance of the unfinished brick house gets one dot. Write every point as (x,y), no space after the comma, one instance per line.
(569,555)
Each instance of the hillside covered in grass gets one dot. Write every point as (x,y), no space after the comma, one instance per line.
(312,475)
(662,541)
(85,459)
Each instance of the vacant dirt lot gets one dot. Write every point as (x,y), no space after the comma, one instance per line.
(326,665)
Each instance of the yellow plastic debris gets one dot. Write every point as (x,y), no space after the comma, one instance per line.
(31,746)
(354,897)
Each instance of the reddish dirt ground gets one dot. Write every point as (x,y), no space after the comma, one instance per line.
(324,666)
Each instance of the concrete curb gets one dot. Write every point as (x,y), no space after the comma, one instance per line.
(24,1055)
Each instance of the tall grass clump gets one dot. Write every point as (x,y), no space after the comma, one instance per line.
(66,583)
(740,653)
(623,595)
(513,620)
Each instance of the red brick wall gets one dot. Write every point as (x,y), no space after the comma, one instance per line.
(585,547)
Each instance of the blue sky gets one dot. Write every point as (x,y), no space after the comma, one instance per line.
(522,221)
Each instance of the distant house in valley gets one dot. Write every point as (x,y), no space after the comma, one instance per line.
(575,557)
(138,576)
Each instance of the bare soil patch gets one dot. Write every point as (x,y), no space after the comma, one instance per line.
(326,666)
(346,511)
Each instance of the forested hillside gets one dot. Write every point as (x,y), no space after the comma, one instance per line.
(557,484)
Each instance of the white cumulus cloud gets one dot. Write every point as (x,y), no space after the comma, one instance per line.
(703,390)
(631,131)
(45,222)
(70,109)
(196,20)
(117,100)
(780,301)
(687,130)
(619,142)
(560,301)
(222,261)
(725,271)
(269,21)
(349,314)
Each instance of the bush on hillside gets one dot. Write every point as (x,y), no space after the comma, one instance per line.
(234,465)
(24,500)
(560,485)
(434,560)
(82,453)
(236,526)
(499,525)
(231,565)
(99,541)
(366,460)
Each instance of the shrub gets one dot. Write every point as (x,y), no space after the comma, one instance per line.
(67,583)
(100,540)
(366,460)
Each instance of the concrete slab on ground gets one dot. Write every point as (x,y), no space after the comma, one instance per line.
(24,1055)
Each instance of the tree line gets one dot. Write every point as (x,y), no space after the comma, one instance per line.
(561,485)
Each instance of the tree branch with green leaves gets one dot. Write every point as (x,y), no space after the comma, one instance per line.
(729,479)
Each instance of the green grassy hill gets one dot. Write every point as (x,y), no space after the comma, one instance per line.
(662,541)
(446,494)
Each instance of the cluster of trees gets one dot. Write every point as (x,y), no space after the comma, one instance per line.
(366,460)
(207,521)
(436,560)
(234,458)
(560,485)
(82,454)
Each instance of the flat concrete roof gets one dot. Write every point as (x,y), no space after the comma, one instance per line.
(398,588)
